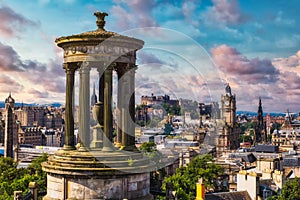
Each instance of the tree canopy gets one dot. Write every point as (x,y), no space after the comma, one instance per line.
(290,190)
(185,179)
(17,179)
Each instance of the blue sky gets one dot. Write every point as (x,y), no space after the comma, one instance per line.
(192,48)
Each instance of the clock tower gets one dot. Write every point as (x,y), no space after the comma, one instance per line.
(228,107)
(228,132)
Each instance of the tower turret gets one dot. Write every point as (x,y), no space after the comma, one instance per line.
(9,101)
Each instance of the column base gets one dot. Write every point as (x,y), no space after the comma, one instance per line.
(68,148)
(109,149)
(118,144)
(129,148)
(81,148)
(97,144)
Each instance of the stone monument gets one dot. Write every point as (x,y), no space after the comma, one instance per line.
(98,168)
(9,127)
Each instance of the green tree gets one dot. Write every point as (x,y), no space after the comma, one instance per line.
(13,178)
(35,169)
(290,190)
(185,179)
(168,129)
(149,149)
(171,109)
(246,138)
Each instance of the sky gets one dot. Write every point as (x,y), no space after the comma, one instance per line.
(193,48)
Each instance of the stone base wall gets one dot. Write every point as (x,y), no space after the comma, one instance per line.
(131,186)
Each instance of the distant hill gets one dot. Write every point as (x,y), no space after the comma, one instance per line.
(249,113)
(2,104)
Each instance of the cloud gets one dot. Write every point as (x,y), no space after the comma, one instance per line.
(147,58)
(224,12)
(287,63)
(21,76)
(188,7)
(37,94)
(152,61)
(290,41)
(282,21)
(137,12)
(290,81)
(8,84)
(12,23)
(10,61)
(233,63)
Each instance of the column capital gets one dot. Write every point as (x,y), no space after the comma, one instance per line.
(85,67)
(71,66)
(122,68)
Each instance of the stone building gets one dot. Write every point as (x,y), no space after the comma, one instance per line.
(9,127)
(30,115)
(53,120)
(150,100)
(48,117)
(30,135)
(228,132)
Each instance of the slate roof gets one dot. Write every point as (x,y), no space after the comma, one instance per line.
(239,195)
(266,148)
(249,158)
(291,162)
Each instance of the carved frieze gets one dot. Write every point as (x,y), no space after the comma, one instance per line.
(100,49)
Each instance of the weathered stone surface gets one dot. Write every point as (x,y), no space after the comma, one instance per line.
(90,173)
(99,188)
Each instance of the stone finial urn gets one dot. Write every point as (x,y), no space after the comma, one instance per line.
(98,113)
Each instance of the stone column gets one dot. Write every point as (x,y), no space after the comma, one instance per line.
(124,110)
(121,69)
(108,123)
(128,109)
(84,105)
(70,69)
(131,125)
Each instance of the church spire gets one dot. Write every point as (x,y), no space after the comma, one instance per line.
(94,96)
(260,106)
(260,128)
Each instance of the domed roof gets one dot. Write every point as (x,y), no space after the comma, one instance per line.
(96,36)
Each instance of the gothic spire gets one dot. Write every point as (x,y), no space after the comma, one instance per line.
(94,96)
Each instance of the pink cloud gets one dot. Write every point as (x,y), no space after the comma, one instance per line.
(7,84)
(224,12)
(21,75)
(290,81)
(232,62)
(289,62)
(137,12)
(37,94)
(13,23)
(11,61)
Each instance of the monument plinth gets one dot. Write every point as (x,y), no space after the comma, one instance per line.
(99,168)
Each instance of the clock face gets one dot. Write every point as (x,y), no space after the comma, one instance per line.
(226,103)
